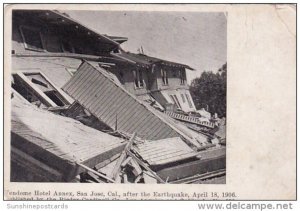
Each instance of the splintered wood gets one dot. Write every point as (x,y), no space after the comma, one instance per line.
(125,167)
(123,156)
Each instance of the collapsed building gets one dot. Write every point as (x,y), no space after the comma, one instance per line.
(85,110)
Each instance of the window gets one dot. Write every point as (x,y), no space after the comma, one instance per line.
(183,98)
(38,90)
(32,38)
(55,97)
(175,100)
(138,78)
(164,76)
(189,100)
(182,76)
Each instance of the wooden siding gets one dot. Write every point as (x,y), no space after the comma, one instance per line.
(62,144)
(108,101)
(174,81)
(164,151)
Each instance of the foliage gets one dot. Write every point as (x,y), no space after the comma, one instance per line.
(209,91)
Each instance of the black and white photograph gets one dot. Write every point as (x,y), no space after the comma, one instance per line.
(118,96)
(167,102)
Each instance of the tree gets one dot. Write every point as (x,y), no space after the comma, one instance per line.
(209,91)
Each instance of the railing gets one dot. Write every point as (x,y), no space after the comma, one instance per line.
(190,119)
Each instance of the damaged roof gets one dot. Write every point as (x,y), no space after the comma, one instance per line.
(107,100)
(164,151)
(61,144)
(55,17)
(147,61)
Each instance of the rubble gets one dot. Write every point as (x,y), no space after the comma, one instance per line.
(85,110)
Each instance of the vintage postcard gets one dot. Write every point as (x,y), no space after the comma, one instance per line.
(150,101)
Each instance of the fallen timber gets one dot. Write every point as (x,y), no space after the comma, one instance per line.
(209,164)
(96,172)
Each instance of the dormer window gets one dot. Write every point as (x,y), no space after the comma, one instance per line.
(32,38)
(138,78)
(164,76)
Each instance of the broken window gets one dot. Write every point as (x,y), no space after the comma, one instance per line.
(138,78)
(55,97)
(182,76)
(32,38)
(164,76)
(37,89)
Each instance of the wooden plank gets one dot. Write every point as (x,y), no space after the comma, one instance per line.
(123,155)
(148,179)
(125,162)
(163,155)
(125,178)
(137,169)
(107,161)
(172,159)
(95,172)
(145,166)
(173,156)
(94,176)
(138,178)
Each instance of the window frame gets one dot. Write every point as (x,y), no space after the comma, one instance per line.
(40,94)
(164,77)
(139,82)
(43,49)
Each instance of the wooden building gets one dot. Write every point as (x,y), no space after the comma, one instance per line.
(62,66)
(52,43)
(151,78)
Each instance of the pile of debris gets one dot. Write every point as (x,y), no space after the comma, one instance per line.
(146,162)
(127,168)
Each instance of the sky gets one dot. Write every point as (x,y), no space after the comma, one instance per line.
(198,39)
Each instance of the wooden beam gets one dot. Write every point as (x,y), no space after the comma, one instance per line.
(117,167)
(149,179)
(125,162)
(95,177)
(145,166)
(95,172)
(137,169)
